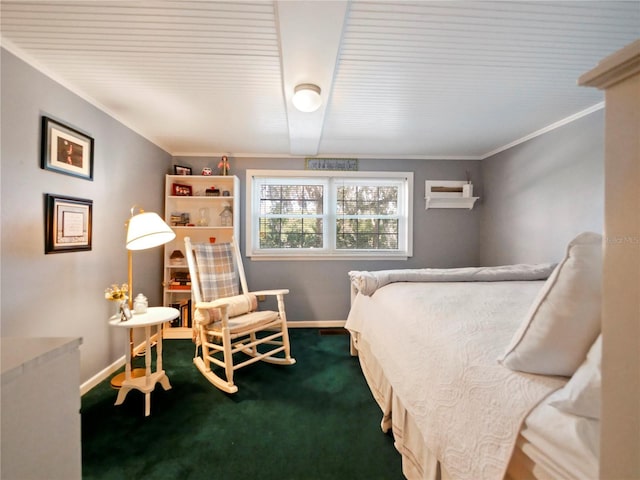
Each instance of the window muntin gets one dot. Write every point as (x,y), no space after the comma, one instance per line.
(329,215)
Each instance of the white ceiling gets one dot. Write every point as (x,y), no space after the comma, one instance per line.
(419,79)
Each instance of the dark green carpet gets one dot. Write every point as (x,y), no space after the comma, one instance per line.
(313,420)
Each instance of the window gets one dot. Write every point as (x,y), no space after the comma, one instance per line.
(306,214)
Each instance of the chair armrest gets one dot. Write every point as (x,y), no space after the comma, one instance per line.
(282,291)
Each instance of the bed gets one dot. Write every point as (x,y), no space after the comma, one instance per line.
(486,373)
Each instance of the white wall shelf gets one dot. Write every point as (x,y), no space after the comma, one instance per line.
(449,194)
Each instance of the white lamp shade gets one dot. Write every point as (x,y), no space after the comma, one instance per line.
(306,97)
(147,230)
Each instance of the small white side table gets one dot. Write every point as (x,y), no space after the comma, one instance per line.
(154,316)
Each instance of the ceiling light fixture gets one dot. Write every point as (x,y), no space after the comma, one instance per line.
(306,97)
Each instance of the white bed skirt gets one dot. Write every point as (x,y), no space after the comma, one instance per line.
(417,462)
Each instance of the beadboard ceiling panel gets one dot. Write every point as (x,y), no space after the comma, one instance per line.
(399,79)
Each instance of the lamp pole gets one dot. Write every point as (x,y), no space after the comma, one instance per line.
(116,381)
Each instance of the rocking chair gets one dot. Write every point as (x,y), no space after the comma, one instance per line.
(227,323)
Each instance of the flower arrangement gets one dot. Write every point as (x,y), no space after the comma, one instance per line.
(223,166)
(115,292)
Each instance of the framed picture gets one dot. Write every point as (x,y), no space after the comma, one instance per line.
(125,312)
(68,224)
(182,190)
(66,150)
(179,170)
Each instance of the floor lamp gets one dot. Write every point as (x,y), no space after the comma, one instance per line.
(144,230)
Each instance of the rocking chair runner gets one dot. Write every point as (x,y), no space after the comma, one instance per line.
(227,322)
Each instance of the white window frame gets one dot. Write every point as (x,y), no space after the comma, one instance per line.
(329,252)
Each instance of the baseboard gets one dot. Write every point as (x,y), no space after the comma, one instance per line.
(317,324)
(102,375)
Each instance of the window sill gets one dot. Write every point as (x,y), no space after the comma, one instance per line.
(326,257)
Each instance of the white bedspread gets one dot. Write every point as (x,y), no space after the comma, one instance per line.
(567,445)
(368,282)
(438,344)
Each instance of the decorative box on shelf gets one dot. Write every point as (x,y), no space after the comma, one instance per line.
(449,194)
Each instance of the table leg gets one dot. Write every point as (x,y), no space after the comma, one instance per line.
(147,373)
(164,380)
(159,350)
(129,353)
(122,394)
(147,404)
(124,389)
(147,355)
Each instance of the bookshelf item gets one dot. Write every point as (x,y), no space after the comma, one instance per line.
(199,216)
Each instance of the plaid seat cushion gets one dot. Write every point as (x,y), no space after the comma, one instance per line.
(216,270)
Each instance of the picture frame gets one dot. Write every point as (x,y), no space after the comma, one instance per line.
(68,224)
(180,190)
(125,312)
(180,170)
(66,150)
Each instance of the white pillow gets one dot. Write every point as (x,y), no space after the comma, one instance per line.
(581,395)
(564,320)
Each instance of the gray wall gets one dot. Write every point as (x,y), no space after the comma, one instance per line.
(534,199)
(63,294)
(320,289)
(542,193)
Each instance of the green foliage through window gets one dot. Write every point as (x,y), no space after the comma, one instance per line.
(288,216)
